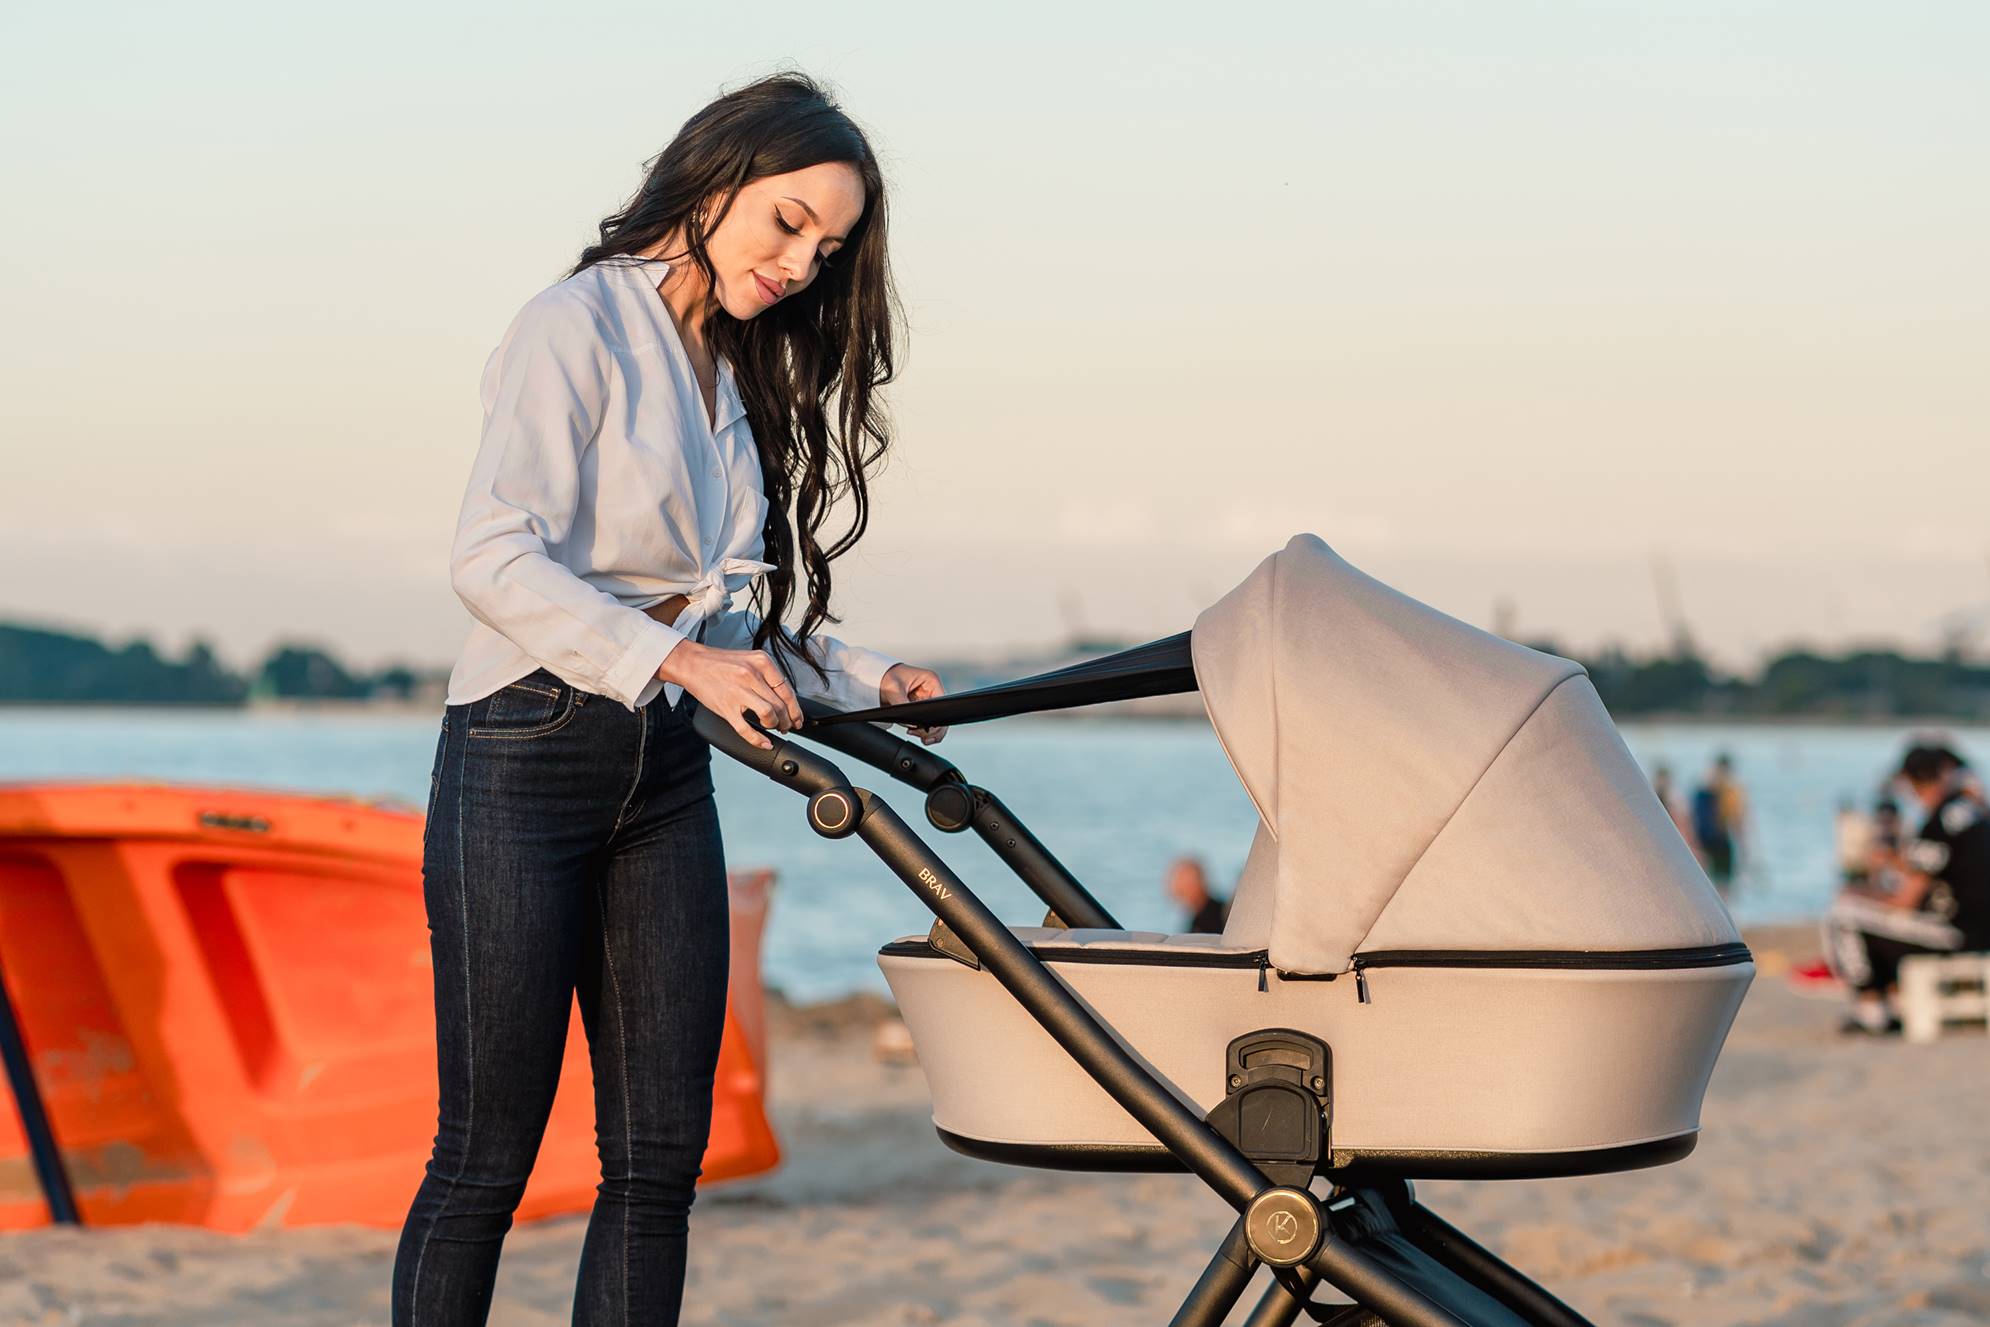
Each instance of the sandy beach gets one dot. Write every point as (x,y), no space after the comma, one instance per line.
(1838,1182)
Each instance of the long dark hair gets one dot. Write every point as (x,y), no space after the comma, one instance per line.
(832,339)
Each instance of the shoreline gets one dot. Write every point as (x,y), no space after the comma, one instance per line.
(1151,710)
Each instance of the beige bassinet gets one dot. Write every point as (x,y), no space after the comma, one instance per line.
(1461,882)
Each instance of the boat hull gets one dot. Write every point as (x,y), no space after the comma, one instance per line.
(228,1004)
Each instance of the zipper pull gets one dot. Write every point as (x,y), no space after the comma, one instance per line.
(1264,961)
(1360,984)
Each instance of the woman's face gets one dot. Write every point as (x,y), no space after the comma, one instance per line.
(779,232)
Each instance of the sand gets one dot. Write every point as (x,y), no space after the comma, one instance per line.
(1837,1182)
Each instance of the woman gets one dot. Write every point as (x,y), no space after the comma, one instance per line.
(649,419)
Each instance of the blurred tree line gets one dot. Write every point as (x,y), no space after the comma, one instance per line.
(52,667)
(1858,684)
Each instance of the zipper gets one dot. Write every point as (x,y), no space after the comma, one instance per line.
(1252,958)
(1705,956)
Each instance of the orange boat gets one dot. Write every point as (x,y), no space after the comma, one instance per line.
(226,999)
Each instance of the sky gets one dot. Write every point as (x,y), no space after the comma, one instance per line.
(1523,307)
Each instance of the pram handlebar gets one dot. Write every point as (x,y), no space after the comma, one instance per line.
(877,747)
(832,803)
(953,804)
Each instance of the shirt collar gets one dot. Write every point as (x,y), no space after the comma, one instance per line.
(647,273)
(730,409)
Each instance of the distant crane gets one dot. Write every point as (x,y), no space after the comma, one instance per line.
(1671,613)
(1959,627)
(1071,607)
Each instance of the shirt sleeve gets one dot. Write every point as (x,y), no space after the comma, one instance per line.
(545,406)
(854,673)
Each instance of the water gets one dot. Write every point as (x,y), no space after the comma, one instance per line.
(1115,799)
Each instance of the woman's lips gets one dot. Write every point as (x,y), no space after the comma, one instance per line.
(768,290)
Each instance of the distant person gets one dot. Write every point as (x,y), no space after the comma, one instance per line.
(1878,870)
(1868,852)
(1957,773)
(1188,886)
(1720,811)
(1668,797)
(1855,835)
(1939,901)
(1886,828)
(1952,847)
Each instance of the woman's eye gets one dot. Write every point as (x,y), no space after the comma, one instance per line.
(782,222)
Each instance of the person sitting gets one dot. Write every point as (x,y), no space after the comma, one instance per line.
(1932,897)
(1188,885)
(1868,844)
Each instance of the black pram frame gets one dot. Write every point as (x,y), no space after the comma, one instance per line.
(1367,1236)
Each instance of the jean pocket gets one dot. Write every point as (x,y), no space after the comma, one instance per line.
(530,707)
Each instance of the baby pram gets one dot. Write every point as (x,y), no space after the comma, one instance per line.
(1467,942)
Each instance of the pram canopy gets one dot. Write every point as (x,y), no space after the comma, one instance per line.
(1425,785)
(1421,785)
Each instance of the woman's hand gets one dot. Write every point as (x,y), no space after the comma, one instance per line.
(904,683)
(731,682)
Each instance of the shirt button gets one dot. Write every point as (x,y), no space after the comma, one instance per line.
(716,472)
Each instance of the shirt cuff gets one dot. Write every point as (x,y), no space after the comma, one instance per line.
(640,662)
(863,673)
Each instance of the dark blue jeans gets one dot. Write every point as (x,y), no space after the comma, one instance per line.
(572,846)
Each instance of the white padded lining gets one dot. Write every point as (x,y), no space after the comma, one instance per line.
(1086,937)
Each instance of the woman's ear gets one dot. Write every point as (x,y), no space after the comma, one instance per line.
(712,210)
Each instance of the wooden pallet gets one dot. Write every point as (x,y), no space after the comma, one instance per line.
(1939,989)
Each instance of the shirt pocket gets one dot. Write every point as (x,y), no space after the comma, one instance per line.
(749,505)
(749,521)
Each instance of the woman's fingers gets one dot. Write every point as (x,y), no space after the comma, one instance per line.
(927,687)
(766,707)
(745,729)
(735,684)
(783,692)
(785,711)
(745,709)
(752,696)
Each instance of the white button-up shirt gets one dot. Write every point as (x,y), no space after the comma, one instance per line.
(600,488)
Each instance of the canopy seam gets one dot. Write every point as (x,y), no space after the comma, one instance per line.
(1577,670)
